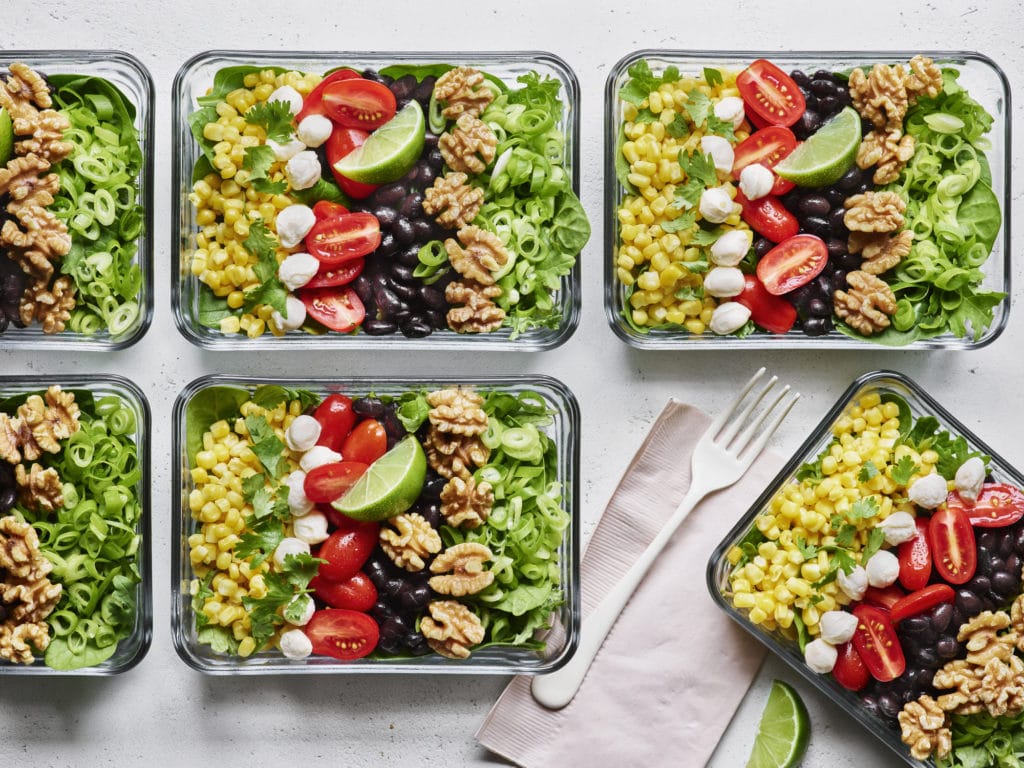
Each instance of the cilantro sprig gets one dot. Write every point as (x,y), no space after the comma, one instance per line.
(275,117)
(269,612)
(842,555)
(258,161)
(270,290)
(642,81)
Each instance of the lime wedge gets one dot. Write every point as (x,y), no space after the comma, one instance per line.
(390,486)
(390,152)
(6,136)
(783,732)
(826,154)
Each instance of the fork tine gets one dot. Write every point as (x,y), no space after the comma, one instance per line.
(751,451)
(734,427)
(724,416)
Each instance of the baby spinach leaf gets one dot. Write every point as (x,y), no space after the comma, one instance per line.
(207,406)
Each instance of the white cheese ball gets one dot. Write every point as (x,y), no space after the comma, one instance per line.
(297,269)
(314,130)
(302,433)
(756,181)
(969,478)
(317,456)
(882,569)
(720,150)
(294,317)
(730,248)
(311,528)
(729,317)
(854,584)
(289,96)
(929,491)
(716,205)
(730,109)
(298,503)
(723,282)
(294,644)
(285,152)
(305,602)
(898,528)
(303,170)
(820,656)
(837,627)
(293,224)
(289,546)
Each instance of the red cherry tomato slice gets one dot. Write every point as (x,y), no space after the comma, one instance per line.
(328,482)
(340,143)
(326,209)
(344,237)
(951,539)
(359,103)
(313,103)
(877,644)
(794,262)
(884,597)
(336,419)
(343,634)
(920,601)
(770,312)
(338,309)
(346,550)
(768,217)
(915,558)
(998,505)
(850,670)
(332,277)
(366,443)
(356,594)
(767,147)
(770,93)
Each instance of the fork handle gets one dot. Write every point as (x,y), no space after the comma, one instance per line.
(556,689)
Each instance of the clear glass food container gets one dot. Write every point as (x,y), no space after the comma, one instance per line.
(132,78)
(562,641)
(131,649)
(921,404)
(195,78)
(982,78)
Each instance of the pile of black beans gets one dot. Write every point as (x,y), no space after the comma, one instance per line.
(395,300)
(12,285)
(385,413)
(825,94)
(8,487)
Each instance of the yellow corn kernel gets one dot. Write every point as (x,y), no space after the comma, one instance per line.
(246,647)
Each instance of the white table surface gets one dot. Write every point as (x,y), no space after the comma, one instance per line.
(163,713)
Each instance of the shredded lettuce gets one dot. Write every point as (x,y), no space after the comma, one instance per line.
(983,741)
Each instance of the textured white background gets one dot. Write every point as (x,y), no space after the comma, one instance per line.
(162,713)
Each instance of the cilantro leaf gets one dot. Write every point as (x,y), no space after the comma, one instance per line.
(723,128)
(642,81)
(810,473)
(267,504)
(904,470)
(846,536)
(265,613)
(867,472)
(202,594)
(680,223)
(699,166)
(272,395)
(697,267)
(251,485)
(707,236)
(690,293)
(267,446)
(807,551)
(260,539)
(271,290)
(645,116)
(698,107)
(844,560)
(712,76)
(275,117)
(875,540)
(258,161)
(864,509)
(678,128)
(688,194)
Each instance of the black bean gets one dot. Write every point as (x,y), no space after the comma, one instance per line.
(941,615)
(825,282)
(412,206)
(822,87)
(1018,541)
(988,539)
(762,245)
(404,232)
(426,176)
(817,326)
(968,602)
(928,657)
(836,248)
(402,272)
(1005,545)
(435,159)
(1005,584)
(813,205)
(870,705)
(800,78)
(364,289)
(810,102)
(848,262)
(889,705)
(388,246)
(423,229)
(416,327)
(375,327)
(7,498)
(404,86)
(392,425)
(828,105)
(415,598)
(369,407)
(823,74)
(809,122)
(432,513)
(407,292)
(385,215)
(424,90)
(916,625)
(409,256)
(980,584)
(947,648)
(818,308)
(839,280)
(837,218)
(1013,564)
(817,226)
(850,180)
(437,319)
(835,197)
(377,569)
(390,305)
(390,195)
(433,487)
(432,297)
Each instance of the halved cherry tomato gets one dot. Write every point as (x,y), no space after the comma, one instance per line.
(884,597)
(768,217)
(344,237)
(366,443)
(357,593)
(998,505)
(336,419)
(347,549)
(343,634)
(338,309)
(920,601)
(313,103)
(850,670)
(340,143)
(331,277)
(951,539)
(877,644)
(915,558)
(326,209)
(770,312)
(770,93)
(359,103)
(767,147)
(794,262)
(328,482)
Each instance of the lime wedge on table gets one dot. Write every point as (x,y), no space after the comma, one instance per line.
(826,154)
(390,151)
(783,732)
(390,486)
(6,136)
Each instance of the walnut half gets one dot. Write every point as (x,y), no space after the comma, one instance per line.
(868,303)
(923,728)
(463,90)
(451,628)
(410,541)
(473,308)
(452,200)
(461,569)
(480,254)
(469,146)
(466,503)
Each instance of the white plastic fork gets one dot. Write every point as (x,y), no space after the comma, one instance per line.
(719,460)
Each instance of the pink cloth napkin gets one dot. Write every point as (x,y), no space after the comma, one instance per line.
(674,667)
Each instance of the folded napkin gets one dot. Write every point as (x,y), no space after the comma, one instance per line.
(674,667)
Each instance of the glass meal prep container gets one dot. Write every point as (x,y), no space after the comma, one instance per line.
(915,643)
(927,285)
(105,200)
(544,279)
(512,515)
(98,536)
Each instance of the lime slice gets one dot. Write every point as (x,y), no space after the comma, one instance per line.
(783,732)
(390,152)
(390,486)
(826,154)
(6,136)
